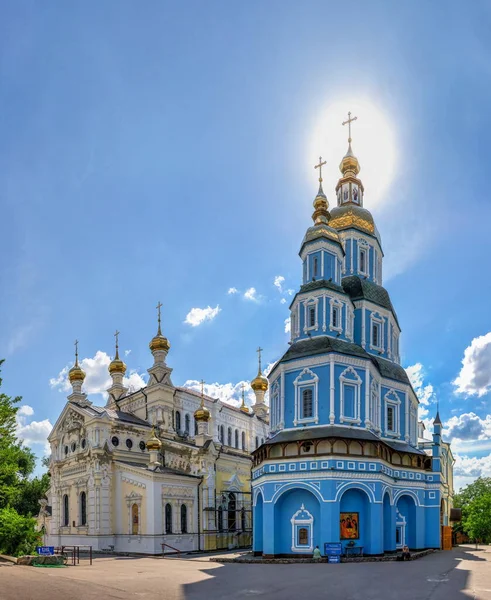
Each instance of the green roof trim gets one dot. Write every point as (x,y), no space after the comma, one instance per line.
(363,289)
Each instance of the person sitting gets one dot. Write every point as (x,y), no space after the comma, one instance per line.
(406,555)
(317,553)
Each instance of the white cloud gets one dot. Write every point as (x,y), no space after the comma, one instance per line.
(287,325)
(127,352)
(232,290)
(35,432)
(231,393)
(467,469)
(424,392)
(97,378)
(283,301)
(474,378)
(290,292)
(197,316)
(468,426)
(278,283)
(251,294)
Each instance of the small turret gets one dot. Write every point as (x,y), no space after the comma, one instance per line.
(202,416)
(260,386)
(117,370)
(154,445)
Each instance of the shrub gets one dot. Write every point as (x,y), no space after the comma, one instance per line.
(18,535)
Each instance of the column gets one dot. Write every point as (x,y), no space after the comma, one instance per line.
(375,529)
(268,529)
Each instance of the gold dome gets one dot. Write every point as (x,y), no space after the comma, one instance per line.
(153,443)
(76,373)
(259,383)
(321,213)
(202,414)
(117,366)
(243,407)
(350,215)
(159,342)
(349,165)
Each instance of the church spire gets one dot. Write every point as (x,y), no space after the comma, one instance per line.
(321,214)
(349,189)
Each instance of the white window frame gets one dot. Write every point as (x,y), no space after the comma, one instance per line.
(363,246)
(377,319)
(334,303)
(392,399)
(375,405)
(355,381)
(350,319)
(298,522)
(311,303)
(275,413)
(300,384)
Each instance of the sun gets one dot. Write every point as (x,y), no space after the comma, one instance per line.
(373,144)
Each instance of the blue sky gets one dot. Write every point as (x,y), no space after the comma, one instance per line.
(164,151)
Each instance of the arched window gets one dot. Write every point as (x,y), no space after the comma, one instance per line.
(83,509)
(243,441)
(221,434)
(229,436)
(303,536)
(307,403)
(66,516)
(243,519)
(187,424)
(231,516)
(262,441)
(316,266)
(220,519)
(236,438)
(184,518)
(178,420)
(257,442)
(134,520)
(168,518)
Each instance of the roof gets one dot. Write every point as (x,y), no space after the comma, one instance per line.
(363,289)
(334,431)
(163,470)
(321,283)
(325,344)
(117,415)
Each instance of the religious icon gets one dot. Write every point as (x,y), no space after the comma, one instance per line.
(345,194)
(349,526)
(355,194)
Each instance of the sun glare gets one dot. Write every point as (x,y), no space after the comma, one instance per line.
(373,144)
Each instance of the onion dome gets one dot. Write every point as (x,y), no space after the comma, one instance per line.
(76,373)
(202,413)
(350,215)
(159,342)
(349,166)
(259,383)
(153,443)
(243,407)
(117,365)
(321,214)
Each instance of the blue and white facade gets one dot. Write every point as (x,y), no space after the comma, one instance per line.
(344,425)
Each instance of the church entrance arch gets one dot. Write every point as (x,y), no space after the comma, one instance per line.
(354,519)
(406,522)
(297,523)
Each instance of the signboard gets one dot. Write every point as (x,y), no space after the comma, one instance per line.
(333,549)
(45,550)
(334,558)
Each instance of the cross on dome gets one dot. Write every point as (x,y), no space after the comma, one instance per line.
(319,166)
(348,122)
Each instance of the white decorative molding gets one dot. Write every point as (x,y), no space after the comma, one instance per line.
(307,379)
(302,519)
(350,377)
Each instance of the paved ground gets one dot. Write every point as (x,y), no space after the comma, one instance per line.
(462,574)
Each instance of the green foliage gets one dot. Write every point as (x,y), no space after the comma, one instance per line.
(478,519)
(19,493)
(17,533)
(475,502)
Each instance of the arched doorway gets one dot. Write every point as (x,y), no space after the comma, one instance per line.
(389,533)
(297,523)
(257,540)
(406,521)
(354,519)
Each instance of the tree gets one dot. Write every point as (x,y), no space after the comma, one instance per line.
(478,519)
(19,494)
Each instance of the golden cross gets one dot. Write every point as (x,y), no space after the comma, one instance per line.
(243,395)
(348,122)
(116,335)
(76,352)
(159,306)
(259,350)
(319,166)
(202,387)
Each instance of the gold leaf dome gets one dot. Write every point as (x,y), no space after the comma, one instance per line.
(153,443)
(350,215)
(259,383)
(349,165)
(159,342)
(202,414)
(76,373)
(117,366)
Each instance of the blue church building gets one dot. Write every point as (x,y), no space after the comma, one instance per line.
(344,462)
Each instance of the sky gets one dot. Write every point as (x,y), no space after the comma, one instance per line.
(164,151)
